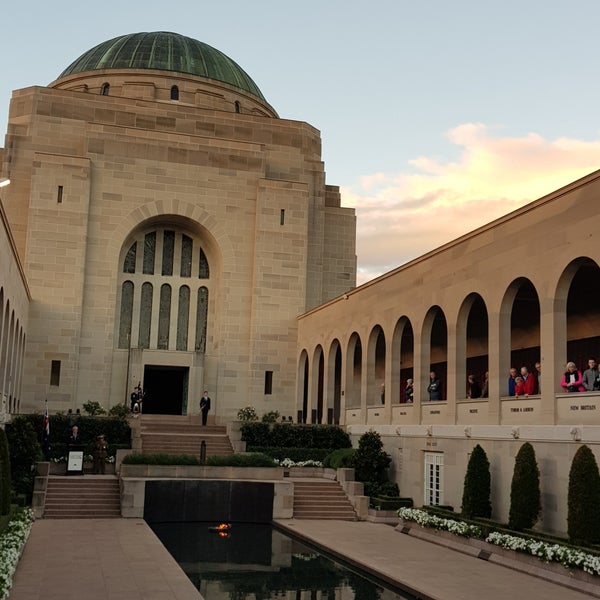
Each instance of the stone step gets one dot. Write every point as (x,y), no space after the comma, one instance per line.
(172,428)
(95,496)
(81,514)
(321,500)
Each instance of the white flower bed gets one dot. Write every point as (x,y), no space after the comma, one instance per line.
(287,462)
(426,520)
(11,544)
(570,558)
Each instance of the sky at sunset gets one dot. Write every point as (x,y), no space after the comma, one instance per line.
(435,117)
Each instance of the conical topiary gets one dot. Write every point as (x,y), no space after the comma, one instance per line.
(477,486)
(525,505)
(583,519)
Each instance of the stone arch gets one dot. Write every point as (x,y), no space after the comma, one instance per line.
(519,334)
(376,360)
(302,389)
(334,382)
(353,371)
(434,349)
(577,312)
(316,394)
(402,359)
(472,342)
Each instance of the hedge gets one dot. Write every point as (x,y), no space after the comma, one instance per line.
(293,435)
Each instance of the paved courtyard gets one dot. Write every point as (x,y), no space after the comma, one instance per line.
(118,559)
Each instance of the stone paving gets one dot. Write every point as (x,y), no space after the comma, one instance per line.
(98,559)
(118,559)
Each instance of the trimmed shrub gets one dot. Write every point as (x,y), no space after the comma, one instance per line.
(342,458)
(370,460)
(241,460)
(25,450)
(525,505)
(4,474)
(160,459)
(256,434)
(290,435)
(231,460)
(477,486)
(391,502)
(583,517)
(116,431)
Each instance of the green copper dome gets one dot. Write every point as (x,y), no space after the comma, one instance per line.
(164,51)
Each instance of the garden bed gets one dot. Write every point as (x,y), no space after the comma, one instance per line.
(576,579)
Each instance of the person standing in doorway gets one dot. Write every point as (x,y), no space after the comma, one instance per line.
(204,406)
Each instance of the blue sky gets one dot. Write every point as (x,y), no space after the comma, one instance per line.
(435,117)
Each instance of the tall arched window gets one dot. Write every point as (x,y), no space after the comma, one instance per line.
(201,319)
(174,93)
(105,89)
(126,314)
(155,291)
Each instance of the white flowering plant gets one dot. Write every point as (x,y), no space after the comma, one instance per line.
(12,541)
(248,413)
(288,462)
(570,558)
(426,520)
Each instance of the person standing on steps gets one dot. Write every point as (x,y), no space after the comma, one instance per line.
(204,406)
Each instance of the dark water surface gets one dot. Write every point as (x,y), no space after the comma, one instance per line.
(258,562)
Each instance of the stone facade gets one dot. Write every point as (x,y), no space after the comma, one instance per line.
(171,242)
(520,290)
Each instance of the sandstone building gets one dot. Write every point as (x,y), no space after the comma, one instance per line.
(164,225)
(170,227)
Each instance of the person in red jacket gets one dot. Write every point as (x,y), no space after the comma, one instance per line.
(529,382)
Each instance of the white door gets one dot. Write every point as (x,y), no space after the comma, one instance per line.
(434,479)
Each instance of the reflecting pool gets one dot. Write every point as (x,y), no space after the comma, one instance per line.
(258,562)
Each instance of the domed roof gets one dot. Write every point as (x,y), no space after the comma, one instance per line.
(164,51)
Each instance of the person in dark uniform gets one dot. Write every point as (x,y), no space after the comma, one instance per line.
(100,453)
(204,406)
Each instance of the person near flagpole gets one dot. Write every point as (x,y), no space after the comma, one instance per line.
(46,435)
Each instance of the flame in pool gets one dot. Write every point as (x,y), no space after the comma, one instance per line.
(222,529)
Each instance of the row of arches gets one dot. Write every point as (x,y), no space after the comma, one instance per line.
(12,353)
(362,369)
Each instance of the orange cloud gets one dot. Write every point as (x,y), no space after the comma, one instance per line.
(401,216)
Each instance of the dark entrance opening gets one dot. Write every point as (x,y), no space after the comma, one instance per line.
(165,390)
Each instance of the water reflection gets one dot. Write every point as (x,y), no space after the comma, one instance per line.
(257,562)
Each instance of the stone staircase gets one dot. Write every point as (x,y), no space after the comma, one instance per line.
(174,434)
(87,497)
(321,499)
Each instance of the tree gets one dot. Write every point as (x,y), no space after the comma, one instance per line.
(583,518)
(4,474)
(370,460)
(477,486)
(25,451)
(525,504)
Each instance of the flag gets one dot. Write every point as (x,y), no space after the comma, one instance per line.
(46,435)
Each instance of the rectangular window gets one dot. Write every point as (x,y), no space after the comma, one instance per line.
(268,382)
(59,194)
(434,479)
(55,373)
(282,216)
